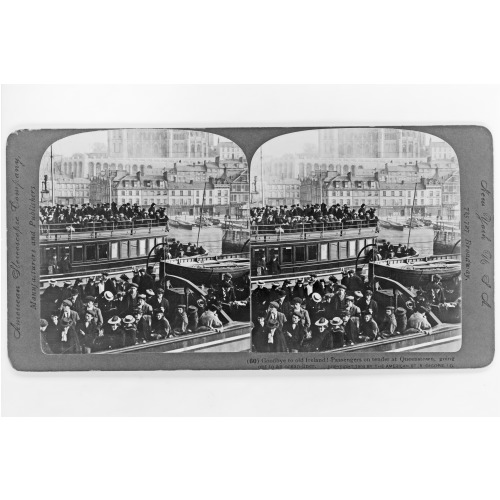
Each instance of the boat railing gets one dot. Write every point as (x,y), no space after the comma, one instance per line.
(202,258)
(410,260)
(309,231)
(96,229)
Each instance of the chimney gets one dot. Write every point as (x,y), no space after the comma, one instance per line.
(376,175)
(165,175)
(204,163)
(139,175)
(349,176)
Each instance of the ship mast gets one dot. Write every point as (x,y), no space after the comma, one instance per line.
(201,212)
(52,175)
(411,214)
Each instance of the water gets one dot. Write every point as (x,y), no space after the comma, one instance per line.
(210,237)
(421,238)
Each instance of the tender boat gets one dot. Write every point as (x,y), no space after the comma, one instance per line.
(204,270)
(417,271)
(99,246)
(303,250)
(185,225)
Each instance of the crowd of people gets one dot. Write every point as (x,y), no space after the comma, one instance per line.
(105,215)
(110,312)
(316,217)
(318,315)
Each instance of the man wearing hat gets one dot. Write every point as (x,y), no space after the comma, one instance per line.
(274,314)
(66,291)
(129,331)
(109,283)
(388,324)
(123,283)
(401,320)
(339,299)
(143,305)
(275,339)
(259,297)
(160,327)
(294,331)
(107,306)
(67,340)
(51,296)
(67,312)
(354,281)
(368,328)
(299,309)
(274,266)
(351,326)
(158,301)
(418,321)
(354,311)
(192,315)
(146,280)
(89,303)
(298,289)
(320,338)
(260,334)
(43,337)
(91,288)
(87,332)
(366,302)
(131,298)
(180,320)
(283,303)
(209,319)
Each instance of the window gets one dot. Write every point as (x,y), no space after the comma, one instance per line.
(392,193)
(78,253)
(384,193)
(142,247)
(114,250)
(287,255)
(300,254)
(324,251)
(351,248)
(312,252)
(123,249)
(401,193)
(343,249)
(103,250)
(133,248)
(90,252)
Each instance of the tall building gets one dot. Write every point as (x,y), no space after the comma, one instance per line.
(371,143)
(158,143)
(228,150)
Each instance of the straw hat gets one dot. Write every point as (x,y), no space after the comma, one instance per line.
(316,297)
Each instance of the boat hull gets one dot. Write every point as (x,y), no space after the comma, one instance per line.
(234,337)
(206,270)
(417,271)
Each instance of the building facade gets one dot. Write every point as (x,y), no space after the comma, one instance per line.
(371,143)
(441,150)
(228,150)
(158,143)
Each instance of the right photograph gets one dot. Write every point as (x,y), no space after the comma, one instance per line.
(355,242)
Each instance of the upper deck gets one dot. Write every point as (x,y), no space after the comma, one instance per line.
(100,230)
(312,232)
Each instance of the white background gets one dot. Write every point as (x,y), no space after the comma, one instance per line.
(259,42)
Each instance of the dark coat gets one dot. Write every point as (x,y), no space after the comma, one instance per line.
(87,333)
(259,339)
(294,335)
(278,343)
(69,346)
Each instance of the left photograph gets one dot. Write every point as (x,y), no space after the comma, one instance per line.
(144,243)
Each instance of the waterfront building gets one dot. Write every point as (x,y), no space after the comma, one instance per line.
(281,191)
(440,150)
(228,150)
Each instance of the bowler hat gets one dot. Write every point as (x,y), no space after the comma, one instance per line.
(297,300)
